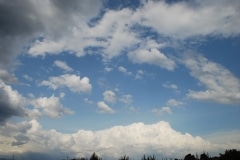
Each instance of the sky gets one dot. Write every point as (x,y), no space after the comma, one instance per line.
(119,78)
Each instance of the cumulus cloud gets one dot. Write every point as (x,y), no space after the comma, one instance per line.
(109,96)
(63,65)
(220,84)
(71,81)
(51,106)
(104,108)
(152,56)
(133,140)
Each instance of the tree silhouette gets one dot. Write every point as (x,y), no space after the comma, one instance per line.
(124,158)
(230,154)
(204,156)
(148,157)
(189,157)
(94,157)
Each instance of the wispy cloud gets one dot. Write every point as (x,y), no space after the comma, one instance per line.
(174,103)
(27,77)
(63,65)
(220,84)
(104,108)
(124,70)
(152,56)
(127,99)
(162,110)
(169,85)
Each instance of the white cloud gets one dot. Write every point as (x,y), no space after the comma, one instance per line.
(167,108)
(133,140)
(183,19)
(104,108)
(73,82)
(221,85)
(127,99)
(59,34)
(173,103)
(109,96)
(114,28)
(41,48)
(162,110)
(114,32)
(65,28)
(124,70)
(63,65)
(51,106)
(152,56)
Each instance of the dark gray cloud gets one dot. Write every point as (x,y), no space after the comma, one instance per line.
(7,77)
(18,17)
(10,104)
(7,111)
(20,140)
(22,20)
(87,8)
(14,129)
(18,20)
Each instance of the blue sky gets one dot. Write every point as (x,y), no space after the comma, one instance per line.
(119,77)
